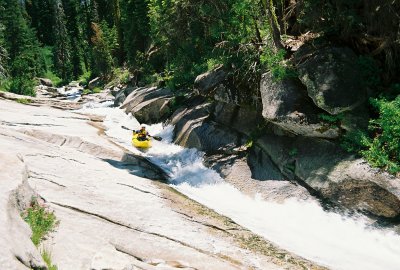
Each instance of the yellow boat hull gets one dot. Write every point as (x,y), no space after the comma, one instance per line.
(140,144)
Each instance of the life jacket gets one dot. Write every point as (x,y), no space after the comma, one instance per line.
(142,133)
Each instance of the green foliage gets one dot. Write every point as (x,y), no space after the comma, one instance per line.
(382,148)
(24,58)
(96,90)
(46,255)
(85,78)
(276,64)
(370,71)
(331,119)
(293,152)
(120,76)
(102,58)
(62,58)
(23,100)
(40,220)
(22,86)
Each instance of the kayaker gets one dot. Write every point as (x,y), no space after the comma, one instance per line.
(142,134)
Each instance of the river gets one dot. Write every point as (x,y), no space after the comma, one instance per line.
(302,227)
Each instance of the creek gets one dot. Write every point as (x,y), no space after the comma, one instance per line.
(302,227)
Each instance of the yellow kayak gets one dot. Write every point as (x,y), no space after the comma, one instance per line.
(141,143)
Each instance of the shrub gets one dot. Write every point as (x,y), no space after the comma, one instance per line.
(22,86)
(276,64)
(46,255)
(40,220)
(384,149)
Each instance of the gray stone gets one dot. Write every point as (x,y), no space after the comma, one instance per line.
(148,105)
(335,175)
(333,81)
(205,83)
(285,103)
(46,82)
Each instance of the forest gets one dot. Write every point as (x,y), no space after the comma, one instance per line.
(170,42)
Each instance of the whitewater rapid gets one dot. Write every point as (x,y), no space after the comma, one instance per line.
(302,227)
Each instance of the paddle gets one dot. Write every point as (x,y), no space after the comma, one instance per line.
(157,138)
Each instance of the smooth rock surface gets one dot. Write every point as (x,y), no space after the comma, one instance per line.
(111,216)
(148,105)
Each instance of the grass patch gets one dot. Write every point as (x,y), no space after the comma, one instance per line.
(41,221)
(96,90)
(23,100)
(46,255)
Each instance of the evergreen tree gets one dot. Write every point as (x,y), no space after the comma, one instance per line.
(62,48)
(3,52)
(72,19)
(101,53)
(24,57)
(117,24)
(136,26)
(42,17)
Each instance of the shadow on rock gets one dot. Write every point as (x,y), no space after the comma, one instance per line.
(139,166)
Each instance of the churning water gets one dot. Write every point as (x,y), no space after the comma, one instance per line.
(302,227)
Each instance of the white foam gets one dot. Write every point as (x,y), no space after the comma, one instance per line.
(301,227)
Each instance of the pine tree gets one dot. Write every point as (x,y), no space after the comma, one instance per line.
(62,48)
(24,57)
(42,17)
(136,28)
(117,23)
(101,53)
(71,19)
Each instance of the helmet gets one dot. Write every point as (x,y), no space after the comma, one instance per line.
(143,127)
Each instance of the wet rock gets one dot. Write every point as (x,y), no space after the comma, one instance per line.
(148,105)
(286,103)
(334,174)
(332,79)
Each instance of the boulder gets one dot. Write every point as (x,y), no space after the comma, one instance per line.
(332,79)
(148,105)
(121,94)
(195,129)
(286,103)
(333,174)
(242,119)
(206,83)
(96,82)
(46,82)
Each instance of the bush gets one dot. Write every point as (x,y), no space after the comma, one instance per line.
(275,63)
(382,148)
(22,86)
(40,220)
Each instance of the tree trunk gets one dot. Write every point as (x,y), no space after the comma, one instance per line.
(276,33)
